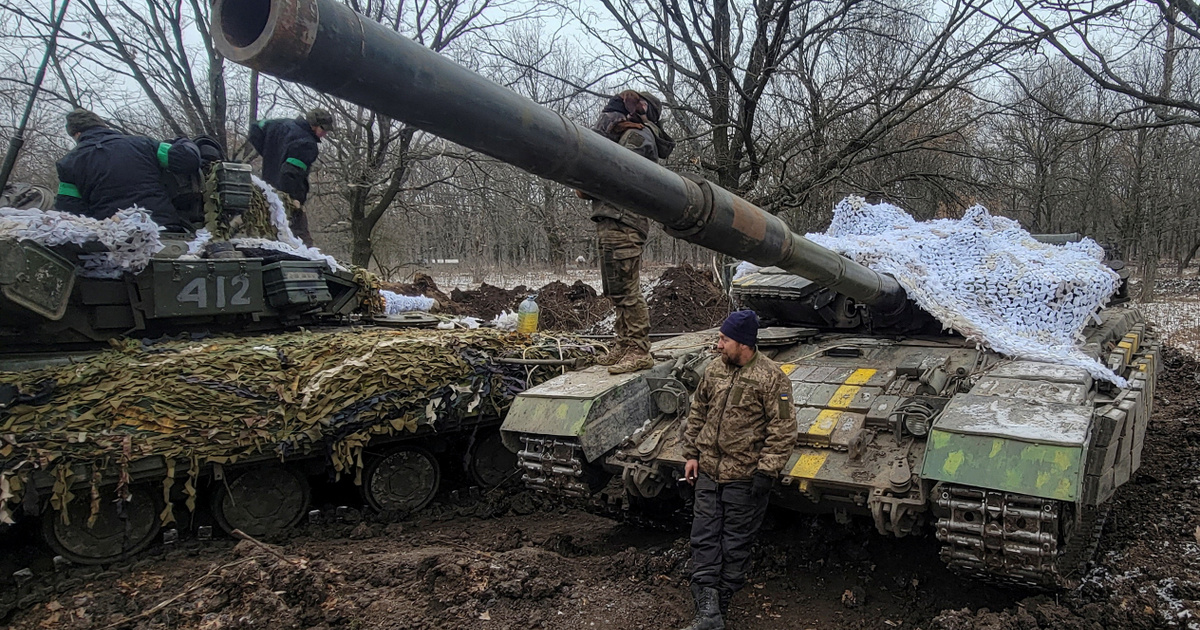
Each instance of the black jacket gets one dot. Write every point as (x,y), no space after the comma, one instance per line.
(288,148)
(110,171)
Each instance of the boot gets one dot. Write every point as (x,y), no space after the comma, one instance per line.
(634,360)
(708,610)
(724,597)
(613,356)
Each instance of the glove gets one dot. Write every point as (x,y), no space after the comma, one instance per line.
(761,484)
(625,125)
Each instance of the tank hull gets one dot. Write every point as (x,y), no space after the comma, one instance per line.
(1008,463)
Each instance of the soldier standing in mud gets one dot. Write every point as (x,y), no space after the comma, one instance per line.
(738,437)
(631,119)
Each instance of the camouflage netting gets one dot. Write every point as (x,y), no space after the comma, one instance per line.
(221,400)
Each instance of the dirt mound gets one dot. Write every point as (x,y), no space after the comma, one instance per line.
(571,308)
(487,301)
(686,298)
(423,285)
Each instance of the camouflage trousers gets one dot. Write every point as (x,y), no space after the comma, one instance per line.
(620,265)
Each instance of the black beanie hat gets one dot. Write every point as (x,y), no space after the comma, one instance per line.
(742,327)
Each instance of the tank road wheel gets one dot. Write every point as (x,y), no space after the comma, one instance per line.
(121,530)
(404,480)
(262,501)
(489,462)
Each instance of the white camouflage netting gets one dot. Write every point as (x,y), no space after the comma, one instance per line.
(130,236)
(984,277)
(285,242)
(396,303)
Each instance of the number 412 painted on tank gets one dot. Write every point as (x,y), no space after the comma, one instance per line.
(197,291)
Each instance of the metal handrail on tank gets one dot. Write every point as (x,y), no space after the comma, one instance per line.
(327,46)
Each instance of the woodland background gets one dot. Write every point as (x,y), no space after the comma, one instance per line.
(1068,116)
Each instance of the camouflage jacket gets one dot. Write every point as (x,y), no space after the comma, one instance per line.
(741,420)
(641,142)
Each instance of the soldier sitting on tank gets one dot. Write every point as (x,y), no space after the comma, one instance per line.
(739,435)
(289,146)
(631,119)
(109,171)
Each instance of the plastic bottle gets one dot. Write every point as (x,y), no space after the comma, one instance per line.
(527,316)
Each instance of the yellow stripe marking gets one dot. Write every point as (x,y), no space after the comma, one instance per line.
(861,376)
(825,423)
(808,465)
(788,368)
(842,397)
(1128,348)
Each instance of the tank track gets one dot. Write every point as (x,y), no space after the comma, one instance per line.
(1082,543)
(553,465)
(1013,539)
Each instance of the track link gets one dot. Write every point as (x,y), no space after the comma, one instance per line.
(1000,537)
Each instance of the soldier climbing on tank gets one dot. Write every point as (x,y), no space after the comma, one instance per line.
(109,171)
(738,437)
(289,146)
(631,119)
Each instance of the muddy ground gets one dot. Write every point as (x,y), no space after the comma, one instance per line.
(681,299)
(511,559)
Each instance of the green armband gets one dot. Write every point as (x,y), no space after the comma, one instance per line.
(163,150)
(69,190)
(297,163)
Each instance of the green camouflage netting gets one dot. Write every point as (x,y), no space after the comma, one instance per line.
(220,400)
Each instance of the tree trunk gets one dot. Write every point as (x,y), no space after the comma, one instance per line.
(218,99)
(1149,273)
(1187,258)
(361,248)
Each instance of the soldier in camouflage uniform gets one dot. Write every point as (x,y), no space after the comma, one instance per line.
(632,120)
(738,437)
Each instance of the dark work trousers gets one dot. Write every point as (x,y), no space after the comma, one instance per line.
(725,519)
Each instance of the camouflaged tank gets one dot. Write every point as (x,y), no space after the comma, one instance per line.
(203,379)
(1009,463)
(897,421)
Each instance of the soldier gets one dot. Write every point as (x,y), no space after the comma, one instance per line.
(739,435)
(632,120)
(108,171)
(289,148)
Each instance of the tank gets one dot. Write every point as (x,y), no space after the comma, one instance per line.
(77,342)
(918,430)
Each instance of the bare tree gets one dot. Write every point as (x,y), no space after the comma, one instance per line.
(1111,43)
(372,154)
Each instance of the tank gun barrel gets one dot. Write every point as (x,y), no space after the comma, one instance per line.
(327,46)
